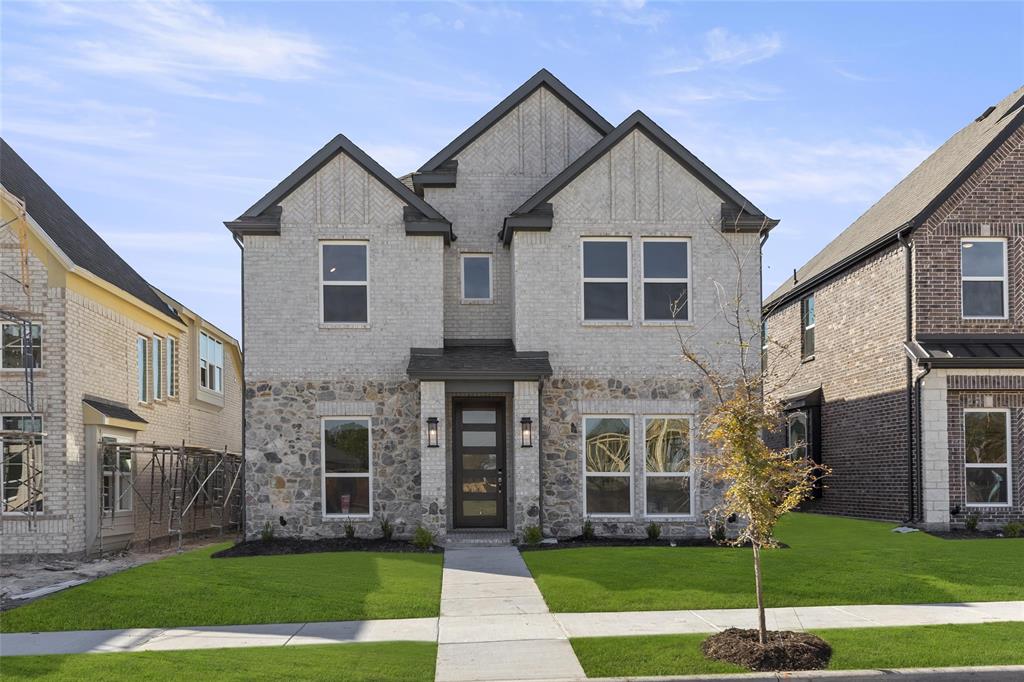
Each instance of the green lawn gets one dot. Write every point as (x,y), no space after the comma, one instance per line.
(193,589)
(862,648)
(830,560)
(412,661)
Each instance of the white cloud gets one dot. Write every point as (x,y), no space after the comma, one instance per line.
(722,47)
(630,12)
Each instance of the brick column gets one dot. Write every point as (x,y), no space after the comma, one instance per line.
(526,461)
(433,461)
(935,451)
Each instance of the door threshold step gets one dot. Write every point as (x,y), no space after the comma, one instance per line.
(478,538)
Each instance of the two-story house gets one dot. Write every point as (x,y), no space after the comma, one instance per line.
(899,348)
(492,342)
(112,360)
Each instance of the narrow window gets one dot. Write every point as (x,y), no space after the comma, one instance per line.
(476,277)
(608,468)
(666,279)
(796,433)
(21,476)
(211,363)
(117,475)
(983,273)
(807,327)
(347,466)
(11,355)
(987,450)
(764,346)
(343,282)
(606,280)
(158,370)
(142,357)
(172,349)
(667,473)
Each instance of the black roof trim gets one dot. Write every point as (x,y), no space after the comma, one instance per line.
(806,398)
(638,120)
(968,351)
(443,176)
(340,143)
(113,410)
(539,219)
(541,78)
(267,223)
(479,359)
(418,224)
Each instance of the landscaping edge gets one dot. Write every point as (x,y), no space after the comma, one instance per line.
(996,673)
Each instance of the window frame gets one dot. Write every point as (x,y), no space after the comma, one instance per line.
(689,474)
(462,276)
(156,363)
(117,493)
(1004,280)
(629,474)
(219,390)
(628,280)
(143,388)
(804,327)
(38,358)
(644,279)
(349,283)
(170,365)
(323,467)
(1009,458)
(42,466)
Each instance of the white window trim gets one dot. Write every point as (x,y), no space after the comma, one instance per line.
(644,279)
(22,369)
(323,467)
(462,277)
(170,364)
(143,367)
(1005,280)
(632,466)
(803,328)
(689,474)
(42,429)
(628,281)
(116,493)
(1009,459)
(320,276)
(156,362)
(209,366)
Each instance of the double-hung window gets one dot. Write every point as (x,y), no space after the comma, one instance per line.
(608,470)
(983,278)
(170,366)
(21,476)
(211,363)
(343,282)
(668,478)
(142,363)
(987,456)
(117,476)
(158,370)
(346,449)
(666,279)
(11,352)
(606,275)
(807,327)
(477,286)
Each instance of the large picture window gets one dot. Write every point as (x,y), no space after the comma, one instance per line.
(142,363)
(346,448)
(606,280)
(11,356)
(987,450)
(983,273)
(21,476)
(668,479)
(211,363)
(343,282)
(477,286)
(666,279)
(807,327)
(608,466)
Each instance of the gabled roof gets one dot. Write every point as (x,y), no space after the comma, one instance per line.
(909,203)
(535,213)
(541,78)
(70,233)
(264,217)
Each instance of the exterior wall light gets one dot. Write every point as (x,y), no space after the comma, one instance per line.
(527,425)
(432,432)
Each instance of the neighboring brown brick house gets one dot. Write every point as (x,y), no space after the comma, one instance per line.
(898,350)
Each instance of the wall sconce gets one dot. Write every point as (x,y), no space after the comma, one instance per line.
(527,425)
(432,432)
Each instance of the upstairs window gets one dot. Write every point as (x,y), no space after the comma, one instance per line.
(158,370)
(666,273)
(343,282)
(211,363)
(987,449)
(142,363)
(171,365)
(807,327)
(606,280)
(476,277)
(11,356)
(983,274)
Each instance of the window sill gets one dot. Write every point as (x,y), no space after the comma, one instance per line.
(606,323)
(348,517)
(671,517)
(344,325)
(477,301)
(667,323)
(1003,318)
(809,358)
(12,370)
(611,517)
(993,505)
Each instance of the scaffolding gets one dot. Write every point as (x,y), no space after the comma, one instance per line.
(167,492)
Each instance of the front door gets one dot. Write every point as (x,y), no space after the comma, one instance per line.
(479,451)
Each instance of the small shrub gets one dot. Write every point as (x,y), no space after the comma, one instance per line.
(1013,529)
(971,522)
(653,531)
(423,538)
(588,530)
(267,534)
(350,531)
(718,533)
(532,535)
(386,529)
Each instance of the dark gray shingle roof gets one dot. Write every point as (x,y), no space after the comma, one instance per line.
(114,410)
(969,350)
(69,232)
(485,361)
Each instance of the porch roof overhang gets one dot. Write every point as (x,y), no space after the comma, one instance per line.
(477,359)
(806,398)
(99,412)
(967,351)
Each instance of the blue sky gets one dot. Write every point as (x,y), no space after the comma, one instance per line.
(158,122)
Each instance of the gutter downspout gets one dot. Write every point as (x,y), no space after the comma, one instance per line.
(911,421)
(241,258)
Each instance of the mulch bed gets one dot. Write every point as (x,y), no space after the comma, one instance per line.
(578,542)
(785,650)
(963,534)
(279,546)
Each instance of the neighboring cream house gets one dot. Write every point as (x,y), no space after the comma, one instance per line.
(114,360)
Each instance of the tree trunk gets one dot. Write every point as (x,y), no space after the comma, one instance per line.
(762,630)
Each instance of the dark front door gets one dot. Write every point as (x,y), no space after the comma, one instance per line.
(479,451)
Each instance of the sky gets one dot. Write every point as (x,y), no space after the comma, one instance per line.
(157,122)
